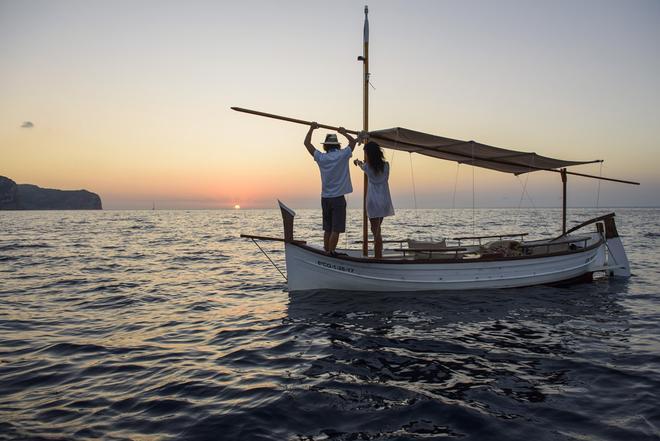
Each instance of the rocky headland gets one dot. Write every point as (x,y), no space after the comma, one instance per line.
(15,196)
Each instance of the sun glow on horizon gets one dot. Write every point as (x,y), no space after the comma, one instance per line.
(237,207)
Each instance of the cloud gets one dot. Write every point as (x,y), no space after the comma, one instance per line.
(27,125)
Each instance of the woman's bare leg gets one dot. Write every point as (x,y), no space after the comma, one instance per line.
(378,238)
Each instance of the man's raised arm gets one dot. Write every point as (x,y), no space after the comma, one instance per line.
(351,141)
(308,139)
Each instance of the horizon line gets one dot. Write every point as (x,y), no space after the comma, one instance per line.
(355,208)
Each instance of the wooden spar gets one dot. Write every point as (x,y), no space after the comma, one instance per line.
(276,239)
(286,118)
(563,201)
(499,161)
(365,127)
(595,177)
(470,159)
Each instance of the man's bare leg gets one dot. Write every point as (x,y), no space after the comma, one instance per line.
(334,238)
(326,241)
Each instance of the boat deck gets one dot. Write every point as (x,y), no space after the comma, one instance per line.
(492,250)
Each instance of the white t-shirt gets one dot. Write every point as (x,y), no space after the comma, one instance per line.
(335,179)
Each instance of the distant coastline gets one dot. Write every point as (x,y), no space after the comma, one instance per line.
(15,196)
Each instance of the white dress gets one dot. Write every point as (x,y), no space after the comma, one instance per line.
(379,201)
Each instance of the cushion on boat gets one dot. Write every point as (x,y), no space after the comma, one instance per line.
(503,247)
(427,244)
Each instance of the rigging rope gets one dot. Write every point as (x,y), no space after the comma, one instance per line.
(522,196)
(524,193)
(524,188)
(473,167)
(412,178)
(453,198)
(271,260)
(535,209)
(598,191)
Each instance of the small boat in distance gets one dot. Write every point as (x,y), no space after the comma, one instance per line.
(486,262)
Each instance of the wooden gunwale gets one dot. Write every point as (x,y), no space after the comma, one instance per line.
(269,238)
(490,237)
(445,260)
(430,250)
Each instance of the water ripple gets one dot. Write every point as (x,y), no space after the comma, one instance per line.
(166,325)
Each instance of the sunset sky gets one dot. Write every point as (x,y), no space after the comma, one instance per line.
(130,99)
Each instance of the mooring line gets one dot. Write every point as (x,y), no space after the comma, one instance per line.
(598,191)
(271,260)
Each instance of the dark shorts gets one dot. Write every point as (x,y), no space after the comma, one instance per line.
(334,214)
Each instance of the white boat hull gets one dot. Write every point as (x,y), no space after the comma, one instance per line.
(309,269)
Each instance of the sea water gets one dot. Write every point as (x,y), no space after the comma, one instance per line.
(152,325)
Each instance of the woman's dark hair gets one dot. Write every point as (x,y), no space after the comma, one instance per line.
(375,157)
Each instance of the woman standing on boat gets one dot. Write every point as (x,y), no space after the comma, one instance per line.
(379,201)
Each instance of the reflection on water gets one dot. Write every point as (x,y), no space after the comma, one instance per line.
(470,357)
(158,325)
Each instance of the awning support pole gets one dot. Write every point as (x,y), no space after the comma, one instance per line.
(564,178)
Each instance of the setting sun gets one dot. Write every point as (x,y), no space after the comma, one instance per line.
(237,207)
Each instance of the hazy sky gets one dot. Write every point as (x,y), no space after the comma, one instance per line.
(131,99)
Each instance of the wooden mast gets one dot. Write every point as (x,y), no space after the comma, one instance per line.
(365,126)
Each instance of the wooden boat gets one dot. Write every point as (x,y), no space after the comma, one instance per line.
(498,261)
(567,258)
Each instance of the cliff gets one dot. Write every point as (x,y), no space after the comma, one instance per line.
(30,197)
(8,194)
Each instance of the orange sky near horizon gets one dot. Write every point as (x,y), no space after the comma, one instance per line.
(132,100)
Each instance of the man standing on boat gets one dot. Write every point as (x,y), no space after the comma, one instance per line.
(335,183)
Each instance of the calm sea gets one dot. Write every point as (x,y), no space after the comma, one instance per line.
(152,325)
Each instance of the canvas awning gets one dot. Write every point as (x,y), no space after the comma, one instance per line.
(467,152)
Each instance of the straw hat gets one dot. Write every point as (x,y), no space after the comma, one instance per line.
(331,139)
